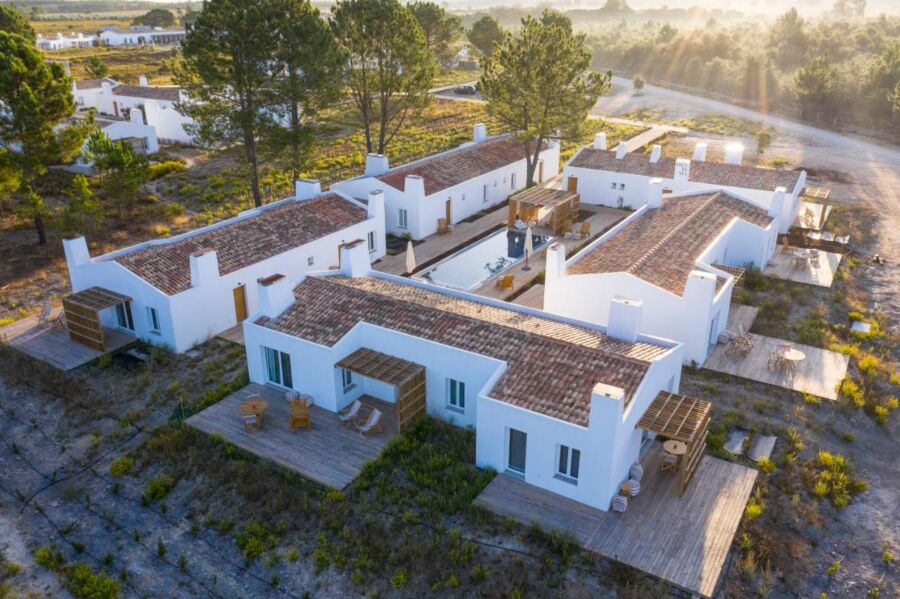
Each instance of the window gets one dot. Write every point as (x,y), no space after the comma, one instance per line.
(620,203)
(123,316)
(278,367)
(569,459)
(621,186)
(347,379)
(512,181)
(463,197)
(456,395)
(612,185)
(310,260)
(153,320)
(403,218)
(484,193)
(518,442)
(371,241)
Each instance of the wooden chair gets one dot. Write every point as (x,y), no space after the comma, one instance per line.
(300,414)
(585,229)
(443,227)
(348,415)
(668,463)
(372,423)
(252,422)
(505,282)
(59,322)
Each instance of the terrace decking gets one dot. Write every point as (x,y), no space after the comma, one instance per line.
(54,346)
(782,266)
(329,454)
(819,374)
(683,540)
(811,217)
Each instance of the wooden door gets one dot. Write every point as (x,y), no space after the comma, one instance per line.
(240,303)
(572,185)
(448,210)
(541,170)
(517,443)
(116,108)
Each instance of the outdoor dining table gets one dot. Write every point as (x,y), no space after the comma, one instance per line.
(792,354)
(676,448)
(255,406)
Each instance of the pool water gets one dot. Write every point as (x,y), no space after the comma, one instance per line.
(473,265)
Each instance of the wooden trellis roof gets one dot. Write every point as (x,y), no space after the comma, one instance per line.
(817,193)
(676,416)
(736,271)
(96,299)
(382,367)
(545,196)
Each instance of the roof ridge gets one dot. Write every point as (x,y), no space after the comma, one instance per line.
(675,230)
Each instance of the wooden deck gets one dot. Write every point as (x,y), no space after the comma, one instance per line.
(235,334)
(53,345)
(329,454)
(683,540)
(782,266)
(819,374)
(814,219)
(533,297)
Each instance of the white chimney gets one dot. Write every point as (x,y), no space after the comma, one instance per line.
(700,152)
(607,406)
(777,205)
(621,150)
(480,133)
(654,193)
(275,295)
(105,88)
(204,267)
(734,153)
(682,174)
(77,252)
(142,81)
(414,187)
(700,288)
(655,153)
(375,206)
(355,259)
(305,189)
(555,261)
(624,318)
(137,116)
(600,141)
(376,164)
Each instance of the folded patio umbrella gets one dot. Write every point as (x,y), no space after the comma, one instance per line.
(529,247)
(410,258)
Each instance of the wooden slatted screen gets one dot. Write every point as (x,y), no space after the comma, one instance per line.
(82,311)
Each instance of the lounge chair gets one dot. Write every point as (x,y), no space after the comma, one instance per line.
(45,314)
(505,282)
(372,423)
(300,414)
(585,229)
(348,415)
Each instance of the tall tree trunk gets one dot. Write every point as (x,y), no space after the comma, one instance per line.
(250,151)
(39,227)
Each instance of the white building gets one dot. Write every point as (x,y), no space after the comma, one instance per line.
(669,257)
(452,185)
(158,104)
(62,42)
(553,401)
(621,179)
(140,135)
(142,35)
(189,288)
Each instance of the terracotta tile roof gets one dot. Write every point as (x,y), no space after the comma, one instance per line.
(243,241)
(713,173)
(662,245)
(93,83)
(150,92)
(450,168)
(552,367)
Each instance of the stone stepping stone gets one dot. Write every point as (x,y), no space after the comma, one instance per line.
(762,447)
(735,442)
(859,326)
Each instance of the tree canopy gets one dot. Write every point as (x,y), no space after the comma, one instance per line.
(96,68)
(537,83)
(157,17)
(390,67)
(813,84)
(440,29)
(12,21)
(485,32)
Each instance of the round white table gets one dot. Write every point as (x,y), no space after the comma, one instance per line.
(793,355)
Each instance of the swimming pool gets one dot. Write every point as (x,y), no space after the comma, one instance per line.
(473,265)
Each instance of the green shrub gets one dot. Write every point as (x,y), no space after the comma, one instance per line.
(122,466)
(49,557)
(851,391)
(868,365)
(84,583)
(766,465)
(400,578)
(157,488)
(254,539)
(161,169)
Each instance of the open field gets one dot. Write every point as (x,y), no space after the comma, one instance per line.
(126,64)
(68,24)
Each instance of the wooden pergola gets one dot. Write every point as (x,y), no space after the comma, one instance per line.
(816,193)
(736,271)
(558,208)
(407,377)
(82,310)
(684,419)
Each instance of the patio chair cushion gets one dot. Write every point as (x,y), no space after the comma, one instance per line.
(619,503)
(636,472)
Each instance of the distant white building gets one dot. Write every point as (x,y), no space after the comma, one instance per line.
(158,105)
(62,42)
(142,35)
(670,267)
(451,185)
(554,401)
(621,179)
(189,288)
